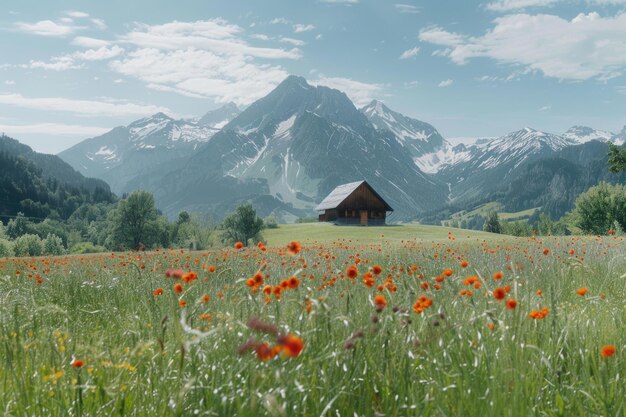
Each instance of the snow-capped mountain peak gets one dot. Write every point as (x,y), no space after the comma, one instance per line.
(583,134)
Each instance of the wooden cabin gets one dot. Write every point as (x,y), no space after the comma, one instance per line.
(355,203)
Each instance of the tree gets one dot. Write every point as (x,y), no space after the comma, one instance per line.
(617,158)
(492,223)
(242,225)
(53,245)
(598,208)
(28,245)
(19,226)
(135,221)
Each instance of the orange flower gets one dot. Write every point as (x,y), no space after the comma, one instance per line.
(267,290)
(511,304)
(376,270)
(608,351)
(291,345)
(158,291)
(497,275)
(238,245)
(499,293)
(77,363)
(293,282)
(380,302)
(178,288)
(182,303)
(352,272)
(464,264)
(447,272)
(294,247)
(582,291)
(546,251)
(539,314)
(190,277)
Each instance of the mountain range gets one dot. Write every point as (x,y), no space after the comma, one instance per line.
(286,151)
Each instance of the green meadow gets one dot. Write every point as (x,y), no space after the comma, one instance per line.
(394,321)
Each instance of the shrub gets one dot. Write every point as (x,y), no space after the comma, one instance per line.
(6,248)
(53,245)
(28,245)
(86,247)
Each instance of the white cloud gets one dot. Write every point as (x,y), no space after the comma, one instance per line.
(214,35)
(411,84)
(46,28)
(99,23)
(53,129)
(9,82)
(68,62)
(87,42)
(344,2)
(77,14)
(207,59)
(446,83)
(200,73)
(260,37)
(99,54)
(588,46)
(508,5)
(406,8)
(298,28)
(295,42)
(81,107)
(279,20)
(545,108)
(64,26)
(410,53)
(360,93)
(61,63)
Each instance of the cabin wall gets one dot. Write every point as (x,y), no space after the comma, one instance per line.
(362,207)
(361,199)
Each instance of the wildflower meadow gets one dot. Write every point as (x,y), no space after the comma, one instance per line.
(448,326)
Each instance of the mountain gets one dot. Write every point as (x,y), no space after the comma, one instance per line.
(125,152)
(486,165)
(39,185)
(219,118)
(584,134)
(295,145)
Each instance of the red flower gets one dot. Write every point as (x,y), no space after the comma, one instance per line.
(238,245)
(178,288)
(511,304)
(292,345)
(608,351)
(158,291)
(352,272)
(499,293)
(77,363)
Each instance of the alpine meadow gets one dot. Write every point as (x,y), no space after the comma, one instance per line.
(333,208)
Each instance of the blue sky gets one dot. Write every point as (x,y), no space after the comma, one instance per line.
(74,69)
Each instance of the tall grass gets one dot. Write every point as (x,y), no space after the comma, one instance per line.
(145,355)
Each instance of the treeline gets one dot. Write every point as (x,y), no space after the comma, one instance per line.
(130,223)
(23,188)
(600,210)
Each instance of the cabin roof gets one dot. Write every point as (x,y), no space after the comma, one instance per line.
(341,192)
